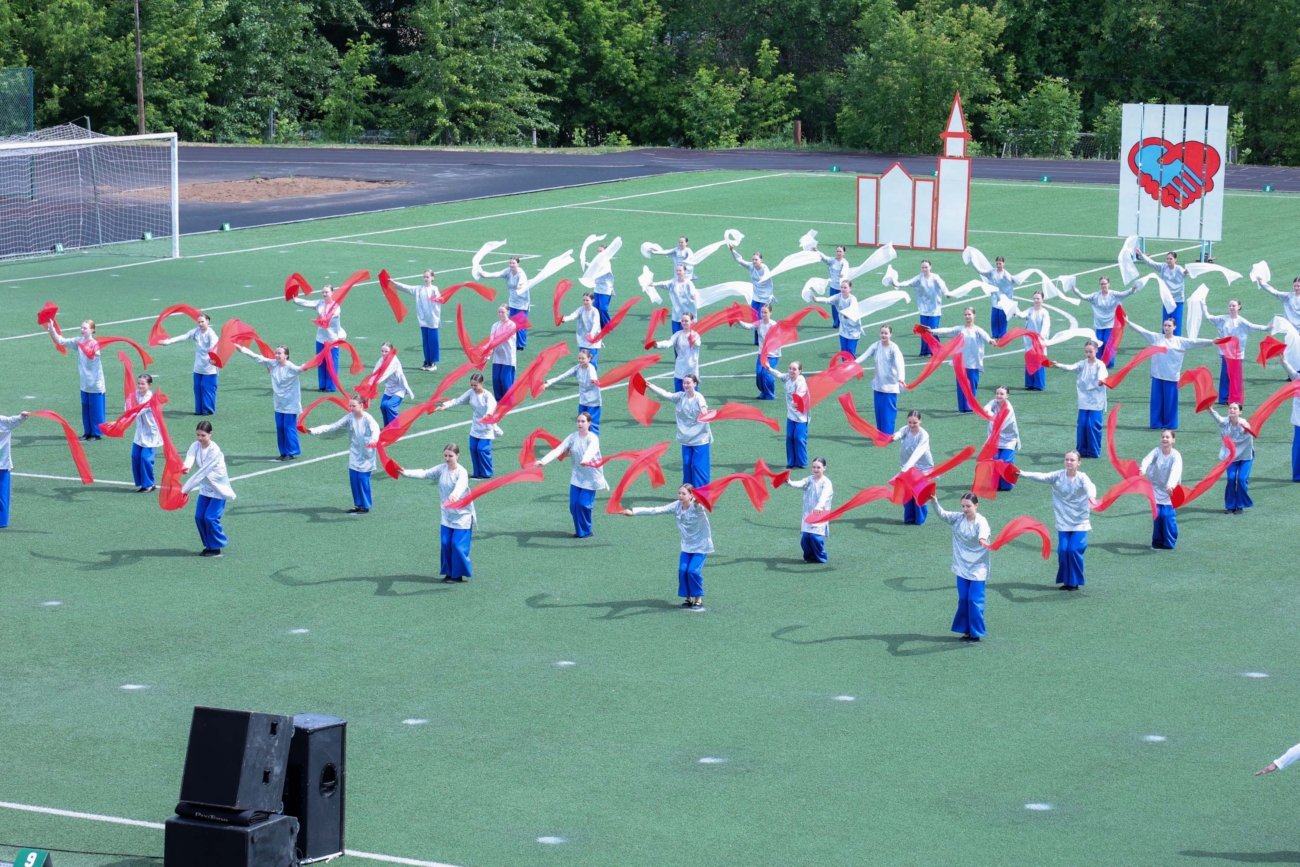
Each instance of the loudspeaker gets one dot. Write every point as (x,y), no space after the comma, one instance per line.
(236,759)
(195,843)
(313,788)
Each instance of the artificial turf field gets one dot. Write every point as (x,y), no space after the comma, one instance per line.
(470,743)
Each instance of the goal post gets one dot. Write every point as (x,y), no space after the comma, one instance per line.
(66,189)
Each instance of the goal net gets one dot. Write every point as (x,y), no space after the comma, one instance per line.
(65,189)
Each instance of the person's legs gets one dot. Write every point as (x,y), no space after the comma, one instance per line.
(886,406)
(814,548)
(4,498)
(929,322)
(581,501)
(521,336)
(390,406)
(1009,456)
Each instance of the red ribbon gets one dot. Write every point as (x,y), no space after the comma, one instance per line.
(1230,347)
(397,428)
(390,293)
(123,422)
(561,289)
(326,357)
(235,333)
(952,463)
(1206,391)
(487,292)
(531,381)
(528,453)
(614,321)
(755,488)
(294,284)
(763,471)
(1182,495)
(623,371)
(639,406)
(1114,378)
(987,474)
(480,353)
(989,450)
(728,316)
(739,412)
(1035,355)
(532,474)
(785,332)
(45,317)
(1018,527)
(336,300)
(1258,417)
(368,388)
(1269,347)
(822,385)
(1116,336)
(92,348)
(861,498)
(644,461)
(938,354)
(1134,485)
(656,319)
(170,495)
(911,485)
(329,398)
(74,445)
(128,379)
(1127,469)
(157,334)
(963,383)
(861,425)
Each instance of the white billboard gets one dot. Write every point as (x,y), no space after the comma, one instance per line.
(1171,171)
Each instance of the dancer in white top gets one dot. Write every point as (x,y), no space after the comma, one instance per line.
(970,563)
(1163,467)
(1090,386)
(1039,321)
(1072,496)
(1005,285)
(836,268)
(697,543)
(1290,300)
(7,425)
(914,451)
(1236,496)
(930,292)
(695,436)
(763,376)
(428,312)
(286,393)
(685,344)
(585,373)
(481,403)
(796,419)
(213,483)
(604,288)
(518,299)
(1009,436)
(332,314)
(90,370)
(363,435)
(205,340)
(683,297)
(589,324)
(1232,386)
(974,339)
(1295,423)
(394,382)
(1104,303)
(505,356)
(760,276)
(456,526)
(1174,276)
(850,326)
(889,379)
(818,494)
(1166,369)
(582,448)
(147,437)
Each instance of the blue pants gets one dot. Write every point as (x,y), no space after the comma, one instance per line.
(503,376)
(886,410)
(480,456)
(601,303)
(998,323)
(360,488)
(814,548)
(4,498)
(594,412)
(1177,315)
(286,433)
(914,514)
(1295,455)
(1223,380)
(849,346)
(521,336)
(389,406)
(690,575)
(765,379)
(580,502)
(796,443)
(142,466)
(1237,494)
(455,552)
(1088,436)
(92,412)
(969,619)
(974,376)
(1070,547)
(323,381)
(207,517)
(1164,404)
(205,393)
(1036,381)
(835,311)
(757,307)
(432,349)
(1008,455)
(1103,337)
(696,470)
(928,322)
(1164,533)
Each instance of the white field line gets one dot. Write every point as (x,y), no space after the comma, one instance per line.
(263,300)
(70,479)
(411,228)
(158,826)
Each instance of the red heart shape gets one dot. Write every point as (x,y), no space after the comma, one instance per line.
(1170,188)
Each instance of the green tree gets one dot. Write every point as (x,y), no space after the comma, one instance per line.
(1107,127)
(1045,122)
(344,105)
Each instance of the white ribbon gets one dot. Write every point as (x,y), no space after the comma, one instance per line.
(560,262)
(1260,273)
(964,289)
(1192,312)
(973,257)
(476,264)
(1166,297)
(1196,270)
(1283,328)
(813,291)
(1008,306)
(867,306)
(809,240)
(1067,282)
(884,255)
(713,294)
(647,281)
(1128,272)
(890,278)
(650,248)
(1071,334)
(730,238)
(600,265)
(795,260)
(1050,289)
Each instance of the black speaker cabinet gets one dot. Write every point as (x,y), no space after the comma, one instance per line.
(313,787)
(195,843)
(236,759)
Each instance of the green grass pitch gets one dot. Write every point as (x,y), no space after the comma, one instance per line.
(932,762)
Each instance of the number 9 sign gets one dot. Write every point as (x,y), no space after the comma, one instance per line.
(33,858)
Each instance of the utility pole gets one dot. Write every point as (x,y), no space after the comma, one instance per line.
(139,69)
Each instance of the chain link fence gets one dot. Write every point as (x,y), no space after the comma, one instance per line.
(17,108)
(1052,145)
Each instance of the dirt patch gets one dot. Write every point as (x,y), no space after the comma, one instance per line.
(262,189)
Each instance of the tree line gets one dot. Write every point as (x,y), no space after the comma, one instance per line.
(868,74)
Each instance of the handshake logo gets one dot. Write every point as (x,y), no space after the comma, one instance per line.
(1174,175)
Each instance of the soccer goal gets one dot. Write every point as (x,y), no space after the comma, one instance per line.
(66,189)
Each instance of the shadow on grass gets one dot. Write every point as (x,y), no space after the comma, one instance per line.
(788,565)
(313,514)
(895,643)
(1283,857)
(530,538)
(900,584)
(385,585)
(1130,548)
(1007,591)
(617,610)
(119,559)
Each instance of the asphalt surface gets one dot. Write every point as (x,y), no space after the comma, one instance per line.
(435,176)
